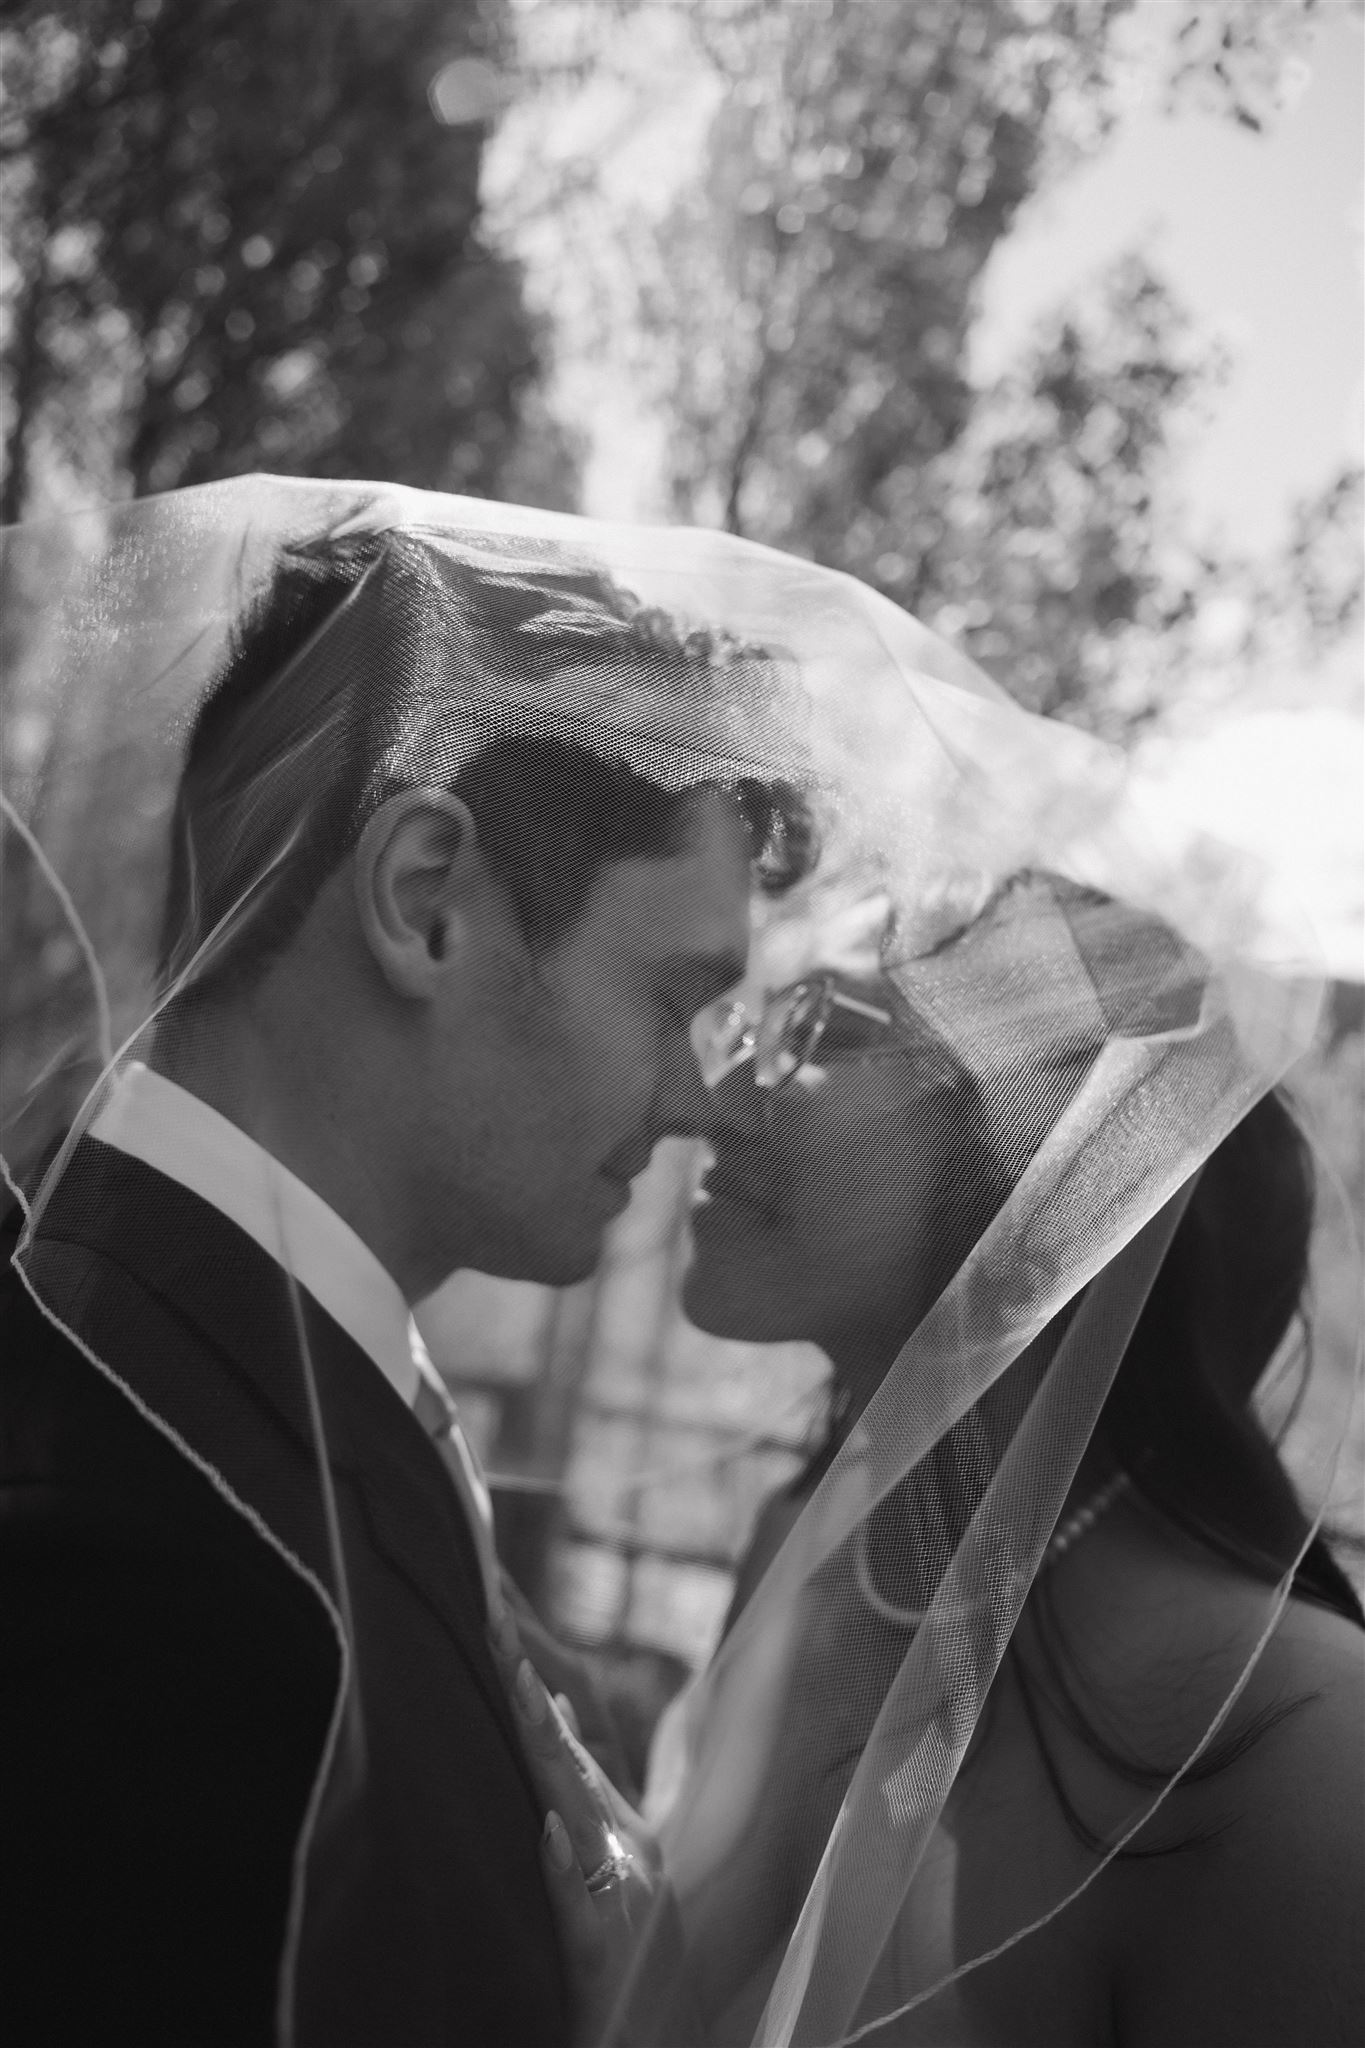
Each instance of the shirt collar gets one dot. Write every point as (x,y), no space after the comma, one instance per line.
(162,1124)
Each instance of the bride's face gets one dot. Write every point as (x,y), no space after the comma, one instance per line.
(839,1204)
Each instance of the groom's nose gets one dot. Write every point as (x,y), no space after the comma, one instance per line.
(683,1106)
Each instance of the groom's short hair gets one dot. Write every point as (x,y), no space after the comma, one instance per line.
(289,755)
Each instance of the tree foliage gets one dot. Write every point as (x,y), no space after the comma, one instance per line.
(239,237)
(859,177)
(807,309)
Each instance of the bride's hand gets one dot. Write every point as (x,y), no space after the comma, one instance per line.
(600,1860)
(567,1673)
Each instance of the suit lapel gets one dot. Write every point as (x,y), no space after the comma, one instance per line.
(244,1306)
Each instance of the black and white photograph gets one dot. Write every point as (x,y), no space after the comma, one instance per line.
(682,1029)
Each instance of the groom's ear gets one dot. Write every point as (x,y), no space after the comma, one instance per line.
(418,870)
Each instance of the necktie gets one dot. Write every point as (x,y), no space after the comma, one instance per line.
(440,1418)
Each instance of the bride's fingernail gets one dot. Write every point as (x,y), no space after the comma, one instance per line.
(504,1633)
(569,1713)
(530,1694)
(558,1847)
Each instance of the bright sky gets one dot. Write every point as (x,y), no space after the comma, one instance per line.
(1261,235)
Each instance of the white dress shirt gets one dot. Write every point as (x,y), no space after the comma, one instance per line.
(162,1124)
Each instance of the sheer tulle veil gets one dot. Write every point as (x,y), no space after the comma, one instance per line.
(1115,990)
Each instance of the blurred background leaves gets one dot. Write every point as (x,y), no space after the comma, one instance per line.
(238,237)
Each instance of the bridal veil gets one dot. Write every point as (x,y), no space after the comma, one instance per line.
(1118,990)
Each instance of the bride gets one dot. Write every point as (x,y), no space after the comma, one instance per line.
(856,1157)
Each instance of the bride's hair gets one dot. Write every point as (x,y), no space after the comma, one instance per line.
(1181,1418)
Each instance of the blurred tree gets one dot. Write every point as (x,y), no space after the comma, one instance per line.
(859,176)
(239,236)
(807,310)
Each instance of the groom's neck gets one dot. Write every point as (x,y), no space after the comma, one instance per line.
(289,1098)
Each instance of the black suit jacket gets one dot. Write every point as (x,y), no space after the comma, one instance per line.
(209,1833)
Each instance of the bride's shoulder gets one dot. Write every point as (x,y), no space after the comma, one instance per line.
(1166,1623)
(1261,1932)
(1304,1693)
(1253,1922)
(1319,1641)
(1308,1688)
(1189,1658)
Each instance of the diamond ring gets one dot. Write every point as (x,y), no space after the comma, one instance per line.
(614,1866)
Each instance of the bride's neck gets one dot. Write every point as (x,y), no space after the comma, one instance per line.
(862,1362)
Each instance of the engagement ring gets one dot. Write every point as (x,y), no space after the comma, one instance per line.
(615,1865)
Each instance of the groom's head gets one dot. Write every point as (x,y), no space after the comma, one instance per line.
(458,853)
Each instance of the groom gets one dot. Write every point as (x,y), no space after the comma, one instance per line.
(455,862)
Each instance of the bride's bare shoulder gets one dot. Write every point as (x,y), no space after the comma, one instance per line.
(1315,1645)
(1306,1778)
(1260,1932)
